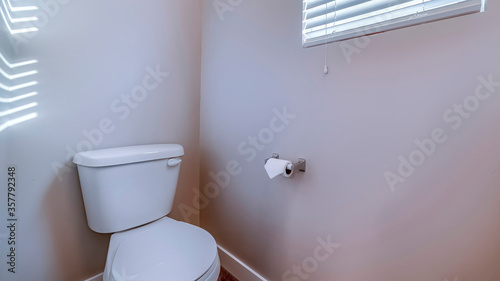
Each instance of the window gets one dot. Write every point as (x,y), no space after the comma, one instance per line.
(336,20)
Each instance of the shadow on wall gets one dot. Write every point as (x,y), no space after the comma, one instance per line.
(74,244)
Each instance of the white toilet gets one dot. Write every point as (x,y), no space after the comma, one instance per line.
(128,191)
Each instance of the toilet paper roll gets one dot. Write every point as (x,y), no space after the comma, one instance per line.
(275,167)
(289,170)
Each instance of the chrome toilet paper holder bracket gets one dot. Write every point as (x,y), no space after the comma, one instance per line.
(299,166)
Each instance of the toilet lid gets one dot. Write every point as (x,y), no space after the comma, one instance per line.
(164,250)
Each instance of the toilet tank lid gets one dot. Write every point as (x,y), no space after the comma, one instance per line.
(127,155)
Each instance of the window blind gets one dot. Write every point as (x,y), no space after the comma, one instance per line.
(336,20)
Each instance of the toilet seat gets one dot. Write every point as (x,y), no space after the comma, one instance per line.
(163,250)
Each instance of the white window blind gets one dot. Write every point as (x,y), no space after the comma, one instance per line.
(336,20)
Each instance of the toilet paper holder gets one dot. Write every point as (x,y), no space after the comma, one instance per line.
(299,166)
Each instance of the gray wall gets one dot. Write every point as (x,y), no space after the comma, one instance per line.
(352,125)
(91,53)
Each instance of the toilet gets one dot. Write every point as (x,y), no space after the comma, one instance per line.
(128,191)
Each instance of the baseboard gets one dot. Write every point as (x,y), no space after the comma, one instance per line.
(96,278)
(237,268)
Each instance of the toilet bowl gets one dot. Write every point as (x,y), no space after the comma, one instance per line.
(145,253)
(128,191)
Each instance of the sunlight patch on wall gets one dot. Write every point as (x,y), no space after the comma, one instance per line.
(19,64)
(15,92)
(16,76)
(21,9)
(17,109)
(17,79)
(18,120)
(12,22)
(20,97)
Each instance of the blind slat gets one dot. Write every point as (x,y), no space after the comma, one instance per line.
(315,3)
(370,16)
(335,6)
(360,10)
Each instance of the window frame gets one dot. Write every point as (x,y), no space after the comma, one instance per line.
(442,13)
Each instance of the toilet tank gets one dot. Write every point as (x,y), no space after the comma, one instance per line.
(128,186)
